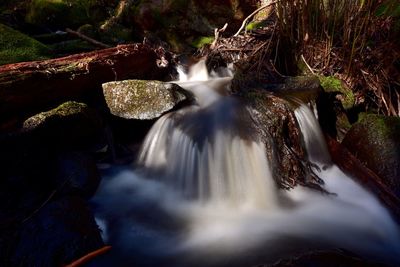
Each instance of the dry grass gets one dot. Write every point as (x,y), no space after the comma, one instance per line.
(355,40)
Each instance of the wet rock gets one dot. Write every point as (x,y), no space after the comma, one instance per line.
(139,99)
(375,141)
(70,125)
(275,121)
(61,231)
(305,88)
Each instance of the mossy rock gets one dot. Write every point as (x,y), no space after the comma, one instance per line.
(143,100)
(16,47)
(70,125)
(66,13)
(375,141)
(334,85)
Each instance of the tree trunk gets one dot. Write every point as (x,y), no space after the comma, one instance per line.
(29,87)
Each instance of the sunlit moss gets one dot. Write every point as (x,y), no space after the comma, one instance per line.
(332,84)
(203,40)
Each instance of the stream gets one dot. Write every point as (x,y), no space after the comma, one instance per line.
(202,194)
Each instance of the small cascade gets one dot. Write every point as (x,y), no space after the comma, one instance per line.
(202,194)
(199,152)
(312,136)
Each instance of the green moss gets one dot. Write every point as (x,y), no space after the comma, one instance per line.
(17,47)
(203,40)
(382,125)
(255,25)
(331,84)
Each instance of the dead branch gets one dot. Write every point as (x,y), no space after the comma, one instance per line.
(216,35)
(87,39)
(85,259)
(251,15)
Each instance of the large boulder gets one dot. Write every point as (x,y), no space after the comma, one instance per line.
(139,99)
(375,141)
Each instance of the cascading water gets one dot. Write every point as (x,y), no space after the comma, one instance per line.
(198,151)
(202,194)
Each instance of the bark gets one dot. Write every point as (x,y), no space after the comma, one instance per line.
(351,165)
(29,87)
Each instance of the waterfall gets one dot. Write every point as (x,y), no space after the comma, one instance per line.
(202,193)
(199,153)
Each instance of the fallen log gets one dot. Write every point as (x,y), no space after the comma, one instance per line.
(352,166)
(29,87)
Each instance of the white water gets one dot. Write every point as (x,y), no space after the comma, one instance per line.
(203,195)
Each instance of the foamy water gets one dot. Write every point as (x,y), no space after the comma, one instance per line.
(202,194)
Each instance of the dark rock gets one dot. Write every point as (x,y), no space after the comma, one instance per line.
(76,174)
(139,99)
(70,125)
(347,162)
(326,258)
(375,141)
(60,232)
(275,121)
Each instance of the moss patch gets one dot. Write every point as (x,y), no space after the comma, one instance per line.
(375,141)
(332,84)
(256,25)
(17,47)
(202,41)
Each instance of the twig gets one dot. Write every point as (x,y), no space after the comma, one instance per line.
(88,257)
(251,15)
(216,35)
(40,207)
(86,38)
(308,66)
